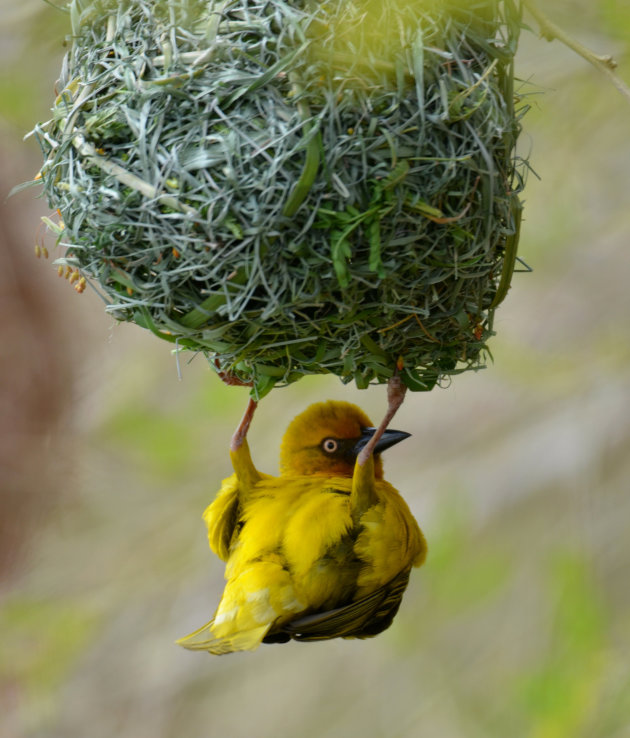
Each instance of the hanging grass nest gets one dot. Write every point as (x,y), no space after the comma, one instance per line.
(293,187)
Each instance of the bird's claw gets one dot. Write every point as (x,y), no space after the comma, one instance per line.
(230,379)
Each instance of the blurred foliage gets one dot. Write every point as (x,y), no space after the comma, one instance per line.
(33,33)
(615,17)
(518,624)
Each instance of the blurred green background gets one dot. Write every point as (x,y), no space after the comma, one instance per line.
(519,622)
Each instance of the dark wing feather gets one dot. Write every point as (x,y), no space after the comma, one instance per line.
(363,618)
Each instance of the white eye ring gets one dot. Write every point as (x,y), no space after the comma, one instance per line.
(330,445)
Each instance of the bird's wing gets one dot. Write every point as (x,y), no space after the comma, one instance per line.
(221,517)
(389,541)
(363,618)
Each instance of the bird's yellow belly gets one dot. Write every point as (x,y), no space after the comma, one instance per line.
(307,524)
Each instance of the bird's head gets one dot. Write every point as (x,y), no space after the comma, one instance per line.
(326,438)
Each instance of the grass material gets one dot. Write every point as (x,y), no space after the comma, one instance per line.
(294,188)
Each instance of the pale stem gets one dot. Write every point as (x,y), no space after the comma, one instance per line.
(605,63)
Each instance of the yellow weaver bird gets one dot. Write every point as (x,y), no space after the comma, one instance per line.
(322,551)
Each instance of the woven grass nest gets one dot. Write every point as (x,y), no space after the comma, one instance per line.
(294,187)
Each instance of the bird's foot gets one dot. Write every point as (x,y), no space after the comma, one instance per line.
(230,379)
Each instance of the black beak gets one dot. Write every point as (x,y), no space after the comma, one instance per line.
(387,440)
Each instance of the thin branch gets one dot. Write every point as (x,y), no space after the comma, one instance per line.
(550,31)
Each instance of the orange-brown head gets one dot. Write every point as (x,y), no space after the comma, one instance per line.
(326,438)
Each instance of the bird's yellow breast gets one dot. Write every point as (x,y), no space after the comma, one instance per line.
(306,524)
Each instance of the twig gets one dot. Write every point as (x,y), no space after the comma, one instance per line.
(550,31)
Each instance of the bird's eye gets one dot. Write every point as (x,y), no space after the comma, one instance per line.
(330,445)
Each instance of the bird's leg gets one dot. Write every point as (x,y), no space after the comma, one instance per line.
(240,433)
(395,396)
(244,468)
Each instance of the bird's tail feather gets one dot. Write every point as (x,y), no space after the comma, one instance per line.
(204,639)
